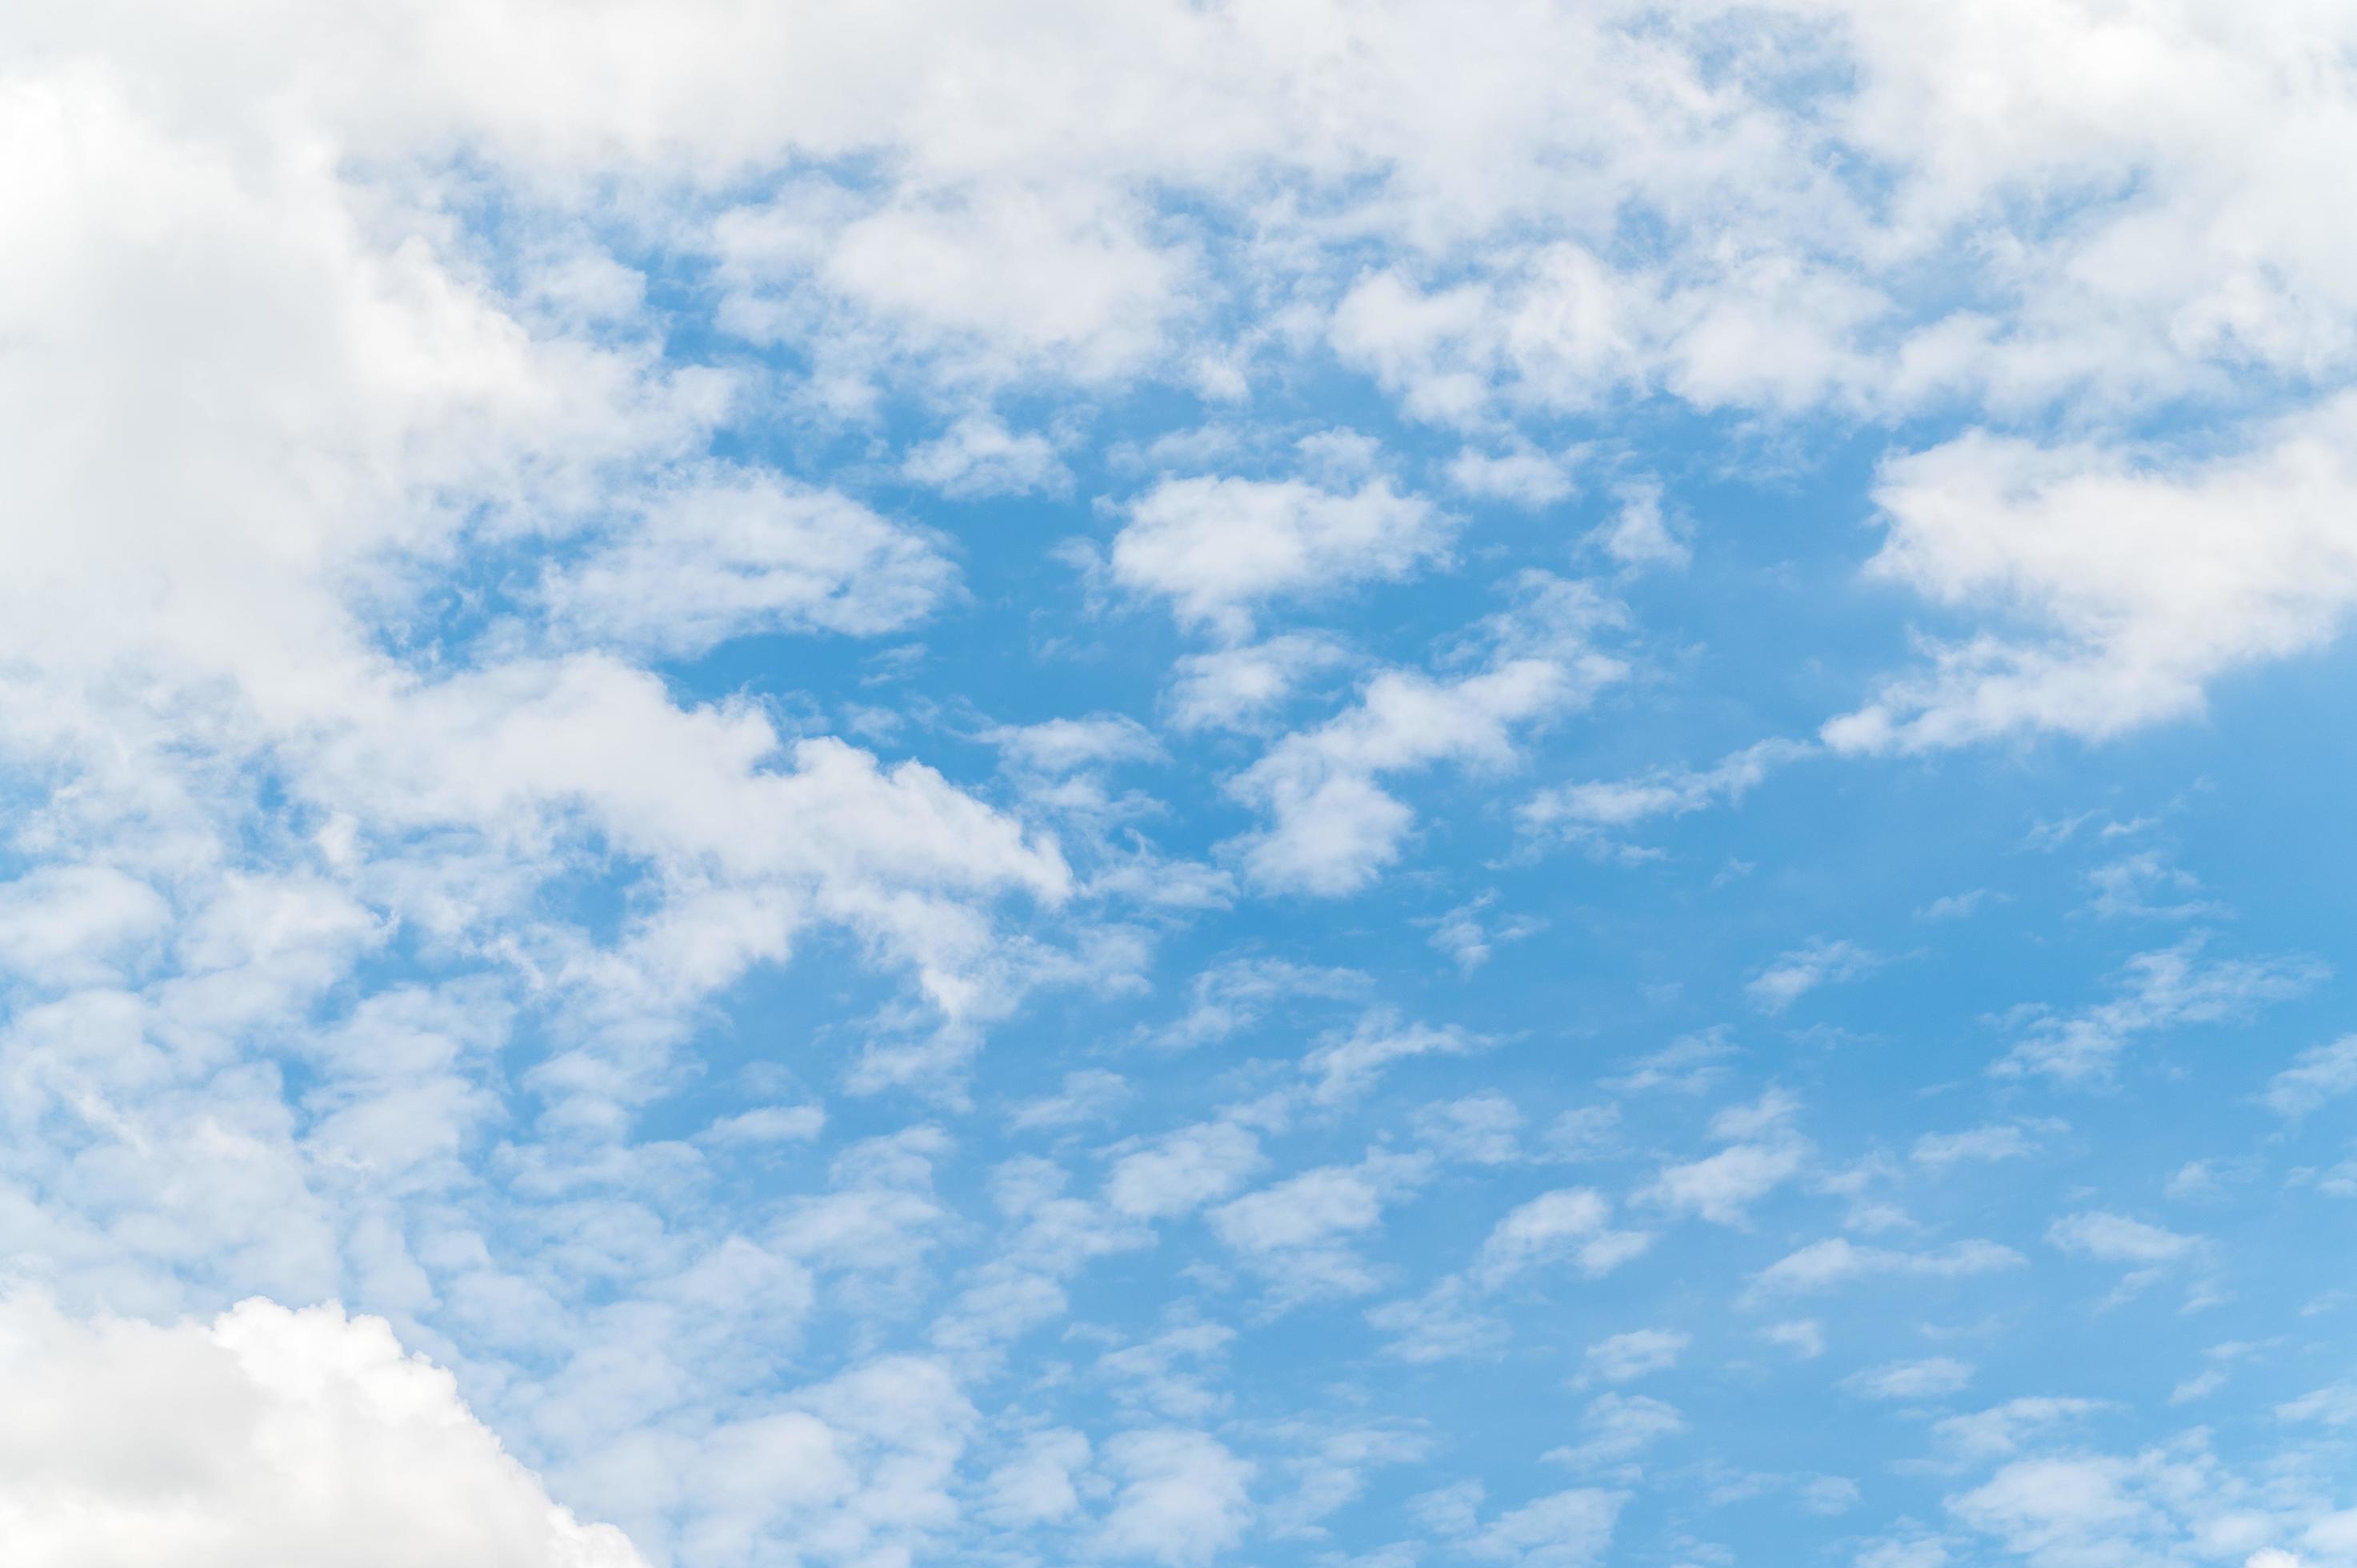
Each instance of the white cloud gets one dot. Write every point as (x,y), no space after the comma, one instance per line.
(1691,1063)
(1346,1066)
(1219,548)
(1640,536)
(1238,688)
(1960,906)
(1721,1187)
(2141,580)
(1333,828)
(1184,1497)
(991,280)
(729,554)
(2002,1141)
(1568,1224)
(1617,1427)
(1564,1530)
(1482,1129)
(1572,809)
(2056,1508)
(2001,1429)
(1927,1379)
(1182,1171)
(1235,997)
(1461,934)
(766,1124)
(1056,747)
(1802,971)
(266,1436)
(978,456)
(1036,1486)
(1837,1261)
(1763,1153)
(1636,1354)
(2117,1238)
(1091,1094)
(1298,1232)
(1520,474)
(316,360)
(2321,1073)
(2164,989)
(2133,887)
(1443,1324)
(74,925)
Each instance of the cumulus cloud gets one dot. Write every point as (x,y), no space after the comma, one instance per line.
(2141,580)
(1600,806)
(1219,548)
(1837,1261)
(1763,1153)
(266,1436)
(1796,974)
(1927,1379)
(2319,1074)
(1240,687)
(1635,1354)
(2119,1238)
(1569,1225)
(1297,1233)
(1333,827)
(733,553)
(2164,989)
(1563,1529)
(1345,1065)
(978,456)
(2002,1141)
(1184,1497)
(1640,535)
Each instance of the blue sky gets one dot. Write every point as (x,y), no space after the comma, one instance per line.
(1336,784)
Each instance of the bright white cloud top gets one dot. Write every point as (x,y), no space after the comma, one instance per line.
(1337,783)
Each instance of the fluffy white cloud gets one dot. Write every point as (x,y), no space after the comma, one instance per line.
(2160,989)
(1333,827)
(1640,535)
(1763,1153)
(2119,1238)
(1837,1261)
(1569,1225)
(1938,1151)
(1298,1232)
(1346,1065)
(2321,1073)
(978,456)
(1597,806)
(1796,974)
(2140,581)
(1184,1497)
(1219,548)
(1237,688)
(1911,1380)
(267,1436)
(74,925)
(1182,1171)
(1563,1529)
(728,555)
(1636,1354)
(1617,1427)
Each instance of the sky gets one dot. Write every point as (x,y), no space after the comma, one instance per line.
(1366,784)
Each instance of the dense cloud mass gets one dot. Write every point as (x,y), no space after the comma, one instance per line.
(1335,781)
